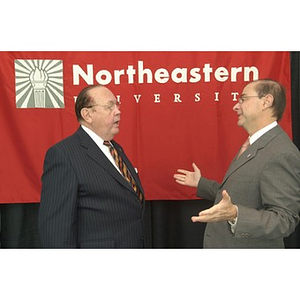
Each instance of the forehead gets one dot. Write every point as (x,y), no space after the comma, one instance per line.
(249,89)
(101,94)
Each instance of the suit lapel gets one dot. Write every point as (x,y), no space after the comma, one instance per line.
(251,152)
(93,151)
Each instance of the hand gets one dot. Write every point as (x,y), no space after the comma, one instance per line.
(187,177)
(223,211)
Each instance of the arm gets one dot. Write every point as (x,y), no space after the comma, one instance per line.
(280,192)
(207,189)
(57,215)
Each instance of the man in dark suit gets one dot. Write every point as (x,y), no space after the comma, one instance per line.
(86,201)
(258,202)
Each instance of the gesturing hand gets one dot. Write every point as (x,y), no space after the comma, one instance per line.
(223,211)
(187,177)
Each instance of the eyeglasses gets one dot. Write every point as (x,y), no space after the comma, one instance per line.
(110,106)
(243,98)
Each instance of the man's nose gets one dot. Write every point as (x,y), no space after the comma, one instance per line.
(236,106)
(117,111)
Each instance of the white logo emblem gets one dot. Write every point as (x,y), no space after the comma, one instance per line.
(39,83)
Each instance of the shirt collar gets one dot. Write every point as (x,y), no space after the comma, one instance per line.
(261,132)
(96,138)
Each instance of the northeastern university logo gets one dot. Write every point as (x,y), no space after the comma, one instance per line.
(39,83)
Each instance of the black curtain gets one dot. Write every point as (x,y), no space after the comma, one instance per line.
(168,222)
(293,241)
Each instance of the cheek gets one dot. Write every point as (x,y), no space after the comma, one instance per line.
(247,109)
(253,110)
(109,121)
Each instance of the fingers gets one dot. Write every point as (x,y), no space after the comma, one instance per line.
(181,176)
(194,219)
(182,171)
(202,219)
(189,178)
(180,179)
(196,169)
(203,216)
(206,216)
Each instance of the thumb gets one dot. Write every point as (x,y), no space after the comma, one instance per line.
(196,169)
(226,196)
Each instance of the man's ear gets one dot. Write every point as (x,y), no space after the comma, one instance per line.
(86,115)
(268,101)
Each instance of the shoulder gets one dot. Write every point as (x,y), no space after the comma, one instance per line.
(281,151)
(67,145)
(74,138)
(282,143)
(277,141)
(275,148)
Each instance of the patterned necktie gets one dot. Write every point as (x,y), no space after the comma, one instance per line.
(123,168)
(244,147)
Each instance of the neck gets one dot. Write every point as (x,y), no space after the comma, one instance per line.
(262,124)
(251,133)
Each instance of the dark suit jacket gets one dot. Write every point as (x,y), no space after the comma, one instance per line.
(85,201)
(264,182)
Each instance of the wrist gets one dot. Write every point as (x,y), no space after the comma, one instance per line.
(197,182)
(233,220)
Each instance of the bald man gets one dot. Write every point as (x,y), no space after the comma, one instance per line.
(86,200)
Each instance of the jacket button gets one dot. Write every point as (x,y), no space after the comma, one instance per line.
(245,235)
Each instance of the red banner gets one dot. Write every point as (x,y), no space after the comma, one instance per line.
(176,109)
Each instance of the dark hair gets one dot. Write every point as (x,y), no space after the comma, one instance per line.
(267,86)
(83,100)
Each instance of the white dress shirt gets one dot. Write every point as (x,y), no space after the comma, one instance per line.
(99,142)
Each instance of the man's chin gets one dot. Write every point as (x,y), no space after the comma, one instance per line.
(116,131)
(240,122)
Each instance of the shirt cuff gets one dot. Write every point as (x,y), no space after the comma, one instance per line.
(233,223)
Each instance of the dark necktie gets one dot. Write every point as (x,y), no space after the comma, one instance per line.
(244,147)
(123,168)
